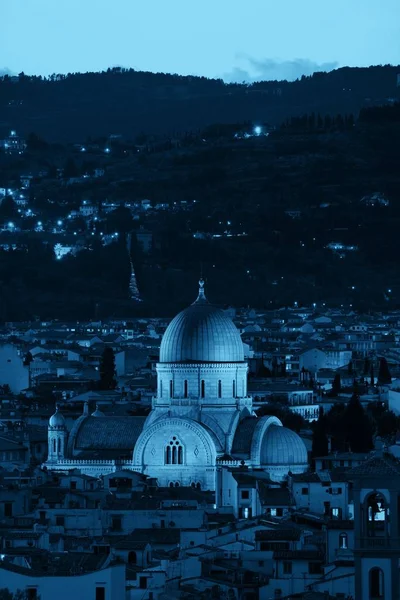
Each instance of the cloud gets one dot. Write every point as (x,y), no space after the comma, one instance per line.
(271,69)
(5,71)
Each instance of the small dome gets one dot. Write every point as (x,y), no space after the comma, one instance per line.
(97,412)
(57,420)
(201,333)
(282,446)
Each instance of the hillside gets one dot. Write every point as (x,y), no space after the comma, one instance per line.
(73,107)
(307,185)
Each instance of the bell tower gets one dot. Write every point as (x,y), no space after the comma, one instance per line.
(376,489)
(57,436)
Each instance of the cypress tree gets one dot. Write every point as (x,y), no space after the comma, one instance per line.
(350,368)
(384,373)
(320,445)
(356,425)
(336,385)
(367,366)
(107,370)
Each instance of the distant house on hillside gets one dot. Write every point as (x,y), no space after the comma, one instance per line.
(375,199)
(14,144)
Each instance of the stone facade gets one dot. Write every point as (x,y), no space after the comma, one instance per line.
(202,419)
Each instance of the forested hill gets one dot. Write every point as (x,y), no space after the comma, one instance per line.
(71,107)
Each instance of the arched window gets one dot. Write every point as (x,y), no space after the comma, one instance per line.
(198,486)
(54,445)
(234,388)
(59,445)
(171,484)
(132,558)
(177,484)
(376,582)
(219,388)
(171,388)
(174,452)
(202,388)
(185,389)
(343,541)
(375,522)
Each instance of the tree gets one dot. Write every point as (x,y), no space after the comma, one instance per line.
(28,359)
(384,373)
(8,209)
(336,385)
(350,368)
(356,425)
(5,594)
(387,424)
(107,370)
(34,142)
(320,444)
(70,168)
(367,366)
(289,418)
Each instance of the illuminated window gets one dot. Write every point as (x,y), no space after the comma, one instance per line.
(174,452)
(343,541)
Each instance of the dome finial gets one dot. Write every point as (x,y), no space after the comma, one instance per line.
(201,297)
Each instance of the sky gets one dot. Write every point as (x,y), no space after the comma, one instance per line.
(237,40)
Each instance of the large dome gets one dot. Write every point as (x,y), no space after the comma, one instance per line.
(201,333)
(282,446)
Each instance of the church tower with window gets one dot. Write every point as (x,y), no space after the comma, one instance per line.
(376,490)
(57,436)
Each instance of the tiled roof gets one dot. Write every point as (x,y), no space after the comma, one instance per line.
(22,535)
(278,535)
(274,496)
(299,555)
(52,563)
(109,433)
(385,466)
(129,544)
(165,535)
